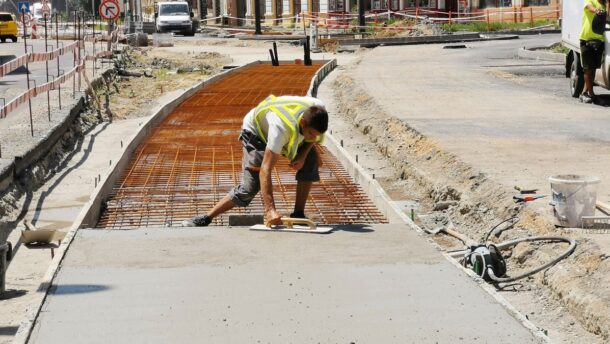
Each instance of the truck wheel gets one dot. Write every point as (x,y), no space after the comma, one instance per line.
(14,38)
(3,39)
(577,78)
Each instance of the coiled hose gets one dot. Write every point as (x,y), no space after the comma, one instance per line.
(510,243)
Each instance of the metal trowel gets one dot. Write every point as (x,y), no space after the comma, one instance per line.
(293,225)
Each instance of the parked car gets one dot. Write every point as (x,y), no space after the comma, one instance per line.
(8,27)
(571,25)
(174,16)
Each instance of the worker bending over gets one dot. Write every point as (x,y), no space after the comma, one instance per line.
(288,126)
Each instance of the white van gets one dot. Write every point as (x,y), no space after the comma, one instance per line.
(37,15)
(174,16)
(571,24)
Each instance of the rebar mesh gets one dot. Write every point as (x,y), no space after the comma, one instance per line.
(193,158)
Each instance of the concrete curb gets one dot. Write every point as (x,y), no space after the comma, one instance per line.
(387,207)
(271,38)
(91,210)
(530,32)
(7,171)
(25,161)
(468,37)
(534,54)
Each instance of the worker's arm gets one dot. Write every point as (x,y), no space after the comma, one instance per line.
(592,8)
(299,160)
(269,160)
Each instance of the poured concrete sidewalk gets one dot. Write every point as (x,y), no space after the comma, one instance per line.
(374,284)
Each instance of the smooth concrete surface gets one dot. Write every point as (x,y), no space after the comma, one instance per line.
(371,284)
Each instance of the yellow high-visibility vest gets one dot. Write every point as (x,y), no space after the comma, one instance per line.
(290,111)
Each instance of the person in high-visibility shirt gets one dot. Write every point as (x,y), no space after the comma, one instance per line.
(288,126)
(591,47)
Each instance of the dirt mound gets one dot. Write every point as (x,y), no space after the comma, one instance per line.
(475,204)
(408,28)
(130,96)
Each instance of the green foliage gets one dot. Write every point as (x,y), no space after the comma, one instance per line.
(559,48)
(495,26)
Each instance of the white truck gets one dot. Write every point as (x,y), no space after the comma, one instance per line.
(38,15)
(174,16)
(571,25)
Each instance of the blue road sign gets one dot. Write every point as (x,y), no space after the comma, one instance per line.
(24,6)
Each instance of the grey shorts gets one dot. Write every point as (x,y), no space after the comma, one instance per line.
(250,185)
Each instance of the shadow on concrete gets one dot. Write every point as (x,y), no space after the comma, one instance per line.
(604,100)
(354,228)
(6,58)
(11,294)
(7,227)
(8,330)
(87,151)
(69,289)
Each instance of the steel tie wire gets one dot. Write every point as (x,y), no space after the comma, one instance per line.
(204,167)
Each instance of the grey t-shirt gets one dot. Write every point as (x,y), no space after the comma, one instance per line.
(276,131)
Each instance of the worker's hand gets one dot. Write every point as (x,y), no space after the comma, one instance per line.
(297,164)
(273,218)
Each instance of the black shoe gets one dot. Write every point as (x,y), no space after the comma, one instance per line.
(197,221)
(594,98)
(298,215)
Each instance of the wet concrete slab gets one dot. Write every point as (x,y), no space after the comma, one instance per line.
(359,284)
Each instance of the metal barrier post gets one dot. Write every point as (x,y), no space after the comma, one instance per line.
(78,46)
(94,60)
(46,62)
(487,17)
(62,45)
(27,67)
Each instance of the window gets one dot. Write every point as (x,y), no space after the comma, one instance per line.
(537,2)
(336,6)
(497,3)
(169,9)
(420,3)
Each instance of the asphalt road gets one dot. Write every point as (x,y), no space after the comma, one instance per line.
(16,82)
(511,118)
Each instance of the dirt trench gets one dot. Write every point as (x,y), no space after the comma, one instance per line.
(15,201)
(445,187)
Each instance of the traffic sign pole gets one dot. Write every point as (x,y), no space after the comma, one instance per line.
(109,10)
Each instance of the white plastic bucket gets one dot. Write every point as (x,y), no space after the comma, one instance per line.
(574,196)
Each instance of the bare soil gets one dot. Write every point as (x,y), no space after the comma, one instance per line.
(129,98)
(570,300)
